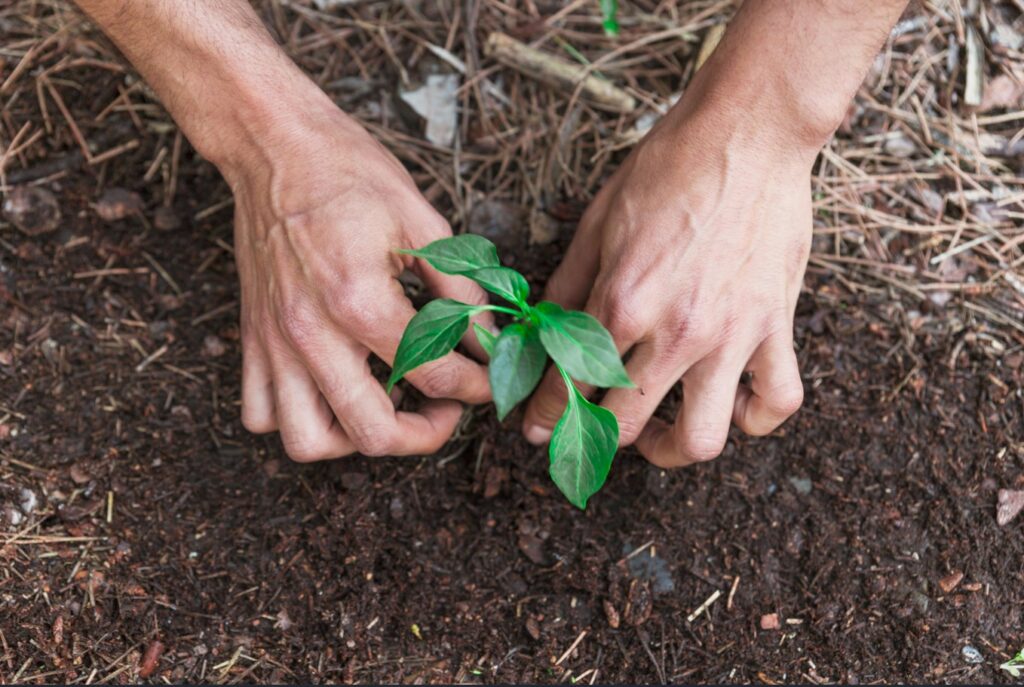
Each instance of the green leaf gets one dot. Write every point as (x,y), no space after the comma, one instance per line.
(583,445)
(458,254)
(502,281)
(517,365)
(581,346)
(610,10)
(486,339)
(431,334)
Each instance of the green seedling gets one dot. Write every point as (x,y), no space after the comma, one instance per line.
(610,11)
(586,437)
(1015,666)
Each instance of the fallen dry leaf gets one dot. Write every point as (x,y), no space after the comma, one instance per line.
(1002,91)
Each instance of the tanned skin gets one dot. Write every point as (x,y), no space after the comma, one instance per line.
(692,254)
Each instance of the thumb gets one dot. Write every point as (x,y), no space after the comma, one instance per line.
(545,408)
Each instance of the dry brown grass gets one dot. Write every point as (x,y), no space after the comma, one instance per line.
(919,196)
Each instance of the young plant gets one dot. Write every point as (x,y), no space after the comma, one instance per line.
(586,437)
(610,11)
(1015,666)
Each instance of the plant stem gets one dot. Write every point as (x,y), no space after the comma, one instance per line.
(501,308)
(569,386)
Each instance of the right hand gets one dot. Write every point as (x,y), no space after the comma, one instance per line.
(320,209)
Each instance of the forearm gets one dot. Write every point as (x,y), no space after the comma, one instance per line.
(794,65)
(215,67)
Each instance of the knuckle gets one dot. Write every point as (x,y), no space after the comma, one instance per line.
(700,447)
(299,323)
(629,429)
(622,311)
(787,398)
(351,301)
(304,450)
(438,381)
(683,330)
(372,440)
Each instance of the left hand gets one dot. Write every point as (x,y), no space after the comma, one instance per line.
(693,256)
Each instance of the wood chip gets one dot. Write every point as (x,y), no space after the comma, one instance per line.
(150,659)
(951,581)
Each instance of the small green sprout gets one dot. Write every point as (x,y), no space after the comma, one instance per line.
(610,11)
(586,437)
(1015,666)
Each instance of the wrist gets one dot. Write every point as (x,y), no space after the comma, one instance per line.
(775,115)
(254,124)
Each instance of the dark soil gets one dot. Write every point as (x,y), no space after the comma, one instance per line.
(470,566)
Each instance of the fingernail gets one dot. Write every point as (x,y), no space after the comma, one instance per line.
(536,434)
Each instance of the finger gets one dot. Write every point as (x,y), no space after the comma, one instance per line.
(308,428)
(463,290)
(548,402)
(257,387)
(545,407)
(573,279)
(654,374)
(366,412)
(702,425)
(454,376)
(776,390)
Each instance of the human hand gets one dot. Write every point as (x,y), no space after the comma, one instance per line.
(319,213)
(693,256)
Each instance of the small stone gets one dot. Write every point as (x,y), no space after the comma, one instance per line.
(899,145)
(165,219)
(32,209)
(770,621)
(1011,502)
(972,655)
(214,346)
(920,601)
(803,485)
(117,203)
(12,515)
(950,581)
(28,501)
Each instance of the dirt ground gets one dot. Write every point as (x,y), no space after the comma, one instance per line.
(144,535)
